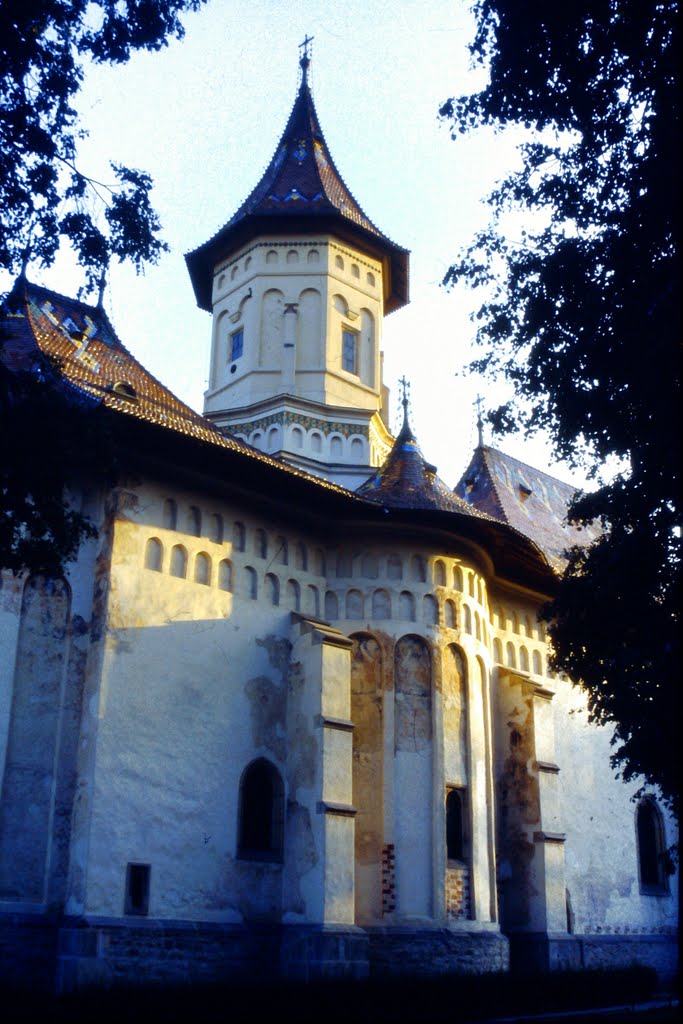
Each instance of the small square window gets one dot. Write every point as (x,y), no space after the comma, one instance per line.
(349,351)
(137,889)
(236,344)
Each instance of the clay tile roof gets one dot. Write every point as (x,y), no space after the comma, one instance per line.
(407,480)
(531,501)
(96,367)
(301,181)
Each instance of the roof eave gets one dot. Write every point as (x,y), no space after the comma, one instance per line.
(395,259)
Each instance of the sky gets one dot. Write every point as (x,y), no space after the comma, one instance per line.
(204,116)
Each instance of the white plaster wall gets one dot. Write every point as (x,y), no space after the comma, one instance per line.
(598,817)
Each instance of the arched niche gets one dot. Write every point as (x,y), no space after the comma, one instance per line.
(309,354)
(367,348)
(271,338)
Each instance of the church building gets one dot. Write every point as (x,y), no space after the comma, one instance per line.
(290,713)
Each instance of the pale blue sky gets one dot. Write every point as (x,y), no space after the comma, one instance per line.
(204,116)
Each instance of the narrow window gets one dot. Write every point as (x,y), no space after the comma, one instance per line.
(455,825)
(349,351)
(153,554)
(179,561)
(202,569)
(261,813)
(236,344)
(170,514)
(137,889)
(225,574)
(194,521)
(651,848)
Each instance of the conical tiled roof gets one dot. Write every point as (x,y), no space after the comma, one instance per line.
(301,189)
(407,480)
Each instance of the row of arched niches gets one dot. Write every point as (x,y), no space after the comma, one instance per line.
(290,256)
(277,570)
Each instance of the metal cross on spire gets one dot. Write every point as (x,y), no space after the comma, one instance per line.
(305,58)
(405,387)
(480,423)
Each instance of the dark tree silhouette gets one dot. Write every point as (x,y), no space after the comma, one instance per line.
(47,200)
(581,313)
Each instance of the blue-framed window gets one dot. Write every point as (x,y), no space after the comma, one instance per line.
(236,344)
(349,351)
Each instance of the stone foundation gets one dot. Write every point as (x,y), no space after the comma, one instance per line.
(534,952)
(423,952)
(40,954)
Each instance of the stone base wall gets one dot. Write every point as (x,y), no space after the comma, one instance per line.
(28,952)
(540,952)
(38,954)
(423,952)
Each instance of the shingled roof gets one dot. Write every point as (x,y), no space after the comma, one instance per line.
(95,366)
(301,190)
(407,480)
(531,501)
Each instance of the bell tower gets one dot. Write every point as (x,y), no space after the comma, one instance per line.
(298,282)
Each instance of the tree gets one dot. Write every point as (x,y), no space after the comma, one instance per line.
(47,200)
(580,312)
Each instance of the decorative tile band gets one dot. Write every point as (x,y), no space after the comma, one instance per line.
(287,418)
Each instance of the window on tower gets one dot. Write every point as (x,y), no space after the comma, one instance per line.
(349,351)
(236,344)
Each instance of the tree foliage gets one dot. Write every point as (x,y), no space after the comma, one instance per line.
(45,196)
(581,313)
(47,199)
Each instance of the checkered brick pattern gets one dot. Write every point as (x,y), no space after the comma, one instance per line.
(457,893)
(388,878)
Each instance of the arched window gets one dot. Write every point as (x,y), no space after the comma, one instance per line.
(455,825)
(331,606)
(524,659)
(467,615)
(457,578)
(170,514)
(194,521)
(202,568)
(251,582)
(261,813)
(406,606)
(238,536)
(381,604)
(179,561)
(260,543)
(300,556)
(497,651)
(216,528)
(418,570)
(225,574)
(510,655)
(312,595)
(537,663)
(439,573)
(449,614)
(272,584)
(354,604)
(294,595)
(153,554)
(652,857)
(430,611)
